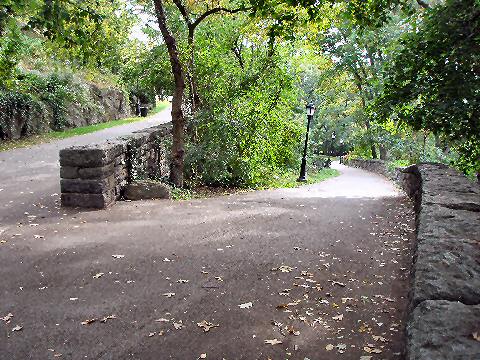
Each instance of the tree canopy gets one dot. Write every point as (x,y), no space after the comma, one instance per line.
(395,79)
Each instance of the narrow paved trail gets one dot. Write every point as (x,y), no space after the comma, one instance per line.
(30,177)
(319,272)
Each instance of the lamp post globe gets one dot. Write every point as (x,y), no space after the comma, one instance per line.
(310,109)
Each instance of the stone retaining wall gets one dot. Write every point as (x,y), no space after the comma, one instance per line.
(445,293)
(95,176)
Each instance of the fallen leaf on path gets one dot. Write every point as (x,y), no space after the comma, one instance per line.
(329,347)
(7,317)
(108,317)
(273,342)
(162,320)
(178,325)
(247,305)
(88,321)
(292,331)
(17,328)
(338,317)
(99,275)
(379,338)
(202,356)
(371,350)
(169,295)
(152,334)
(285,269)
(218,278)
(284,306)
(206,326)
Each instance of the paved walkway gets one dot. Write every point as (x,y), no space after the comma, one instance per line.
(318,272)
(30,177)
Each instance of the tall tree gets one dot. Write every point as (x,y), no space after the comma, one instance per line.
(433,82)
(178,117)
(181,71)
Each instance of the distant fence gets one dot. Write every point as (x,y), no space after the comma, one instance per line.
(95,176)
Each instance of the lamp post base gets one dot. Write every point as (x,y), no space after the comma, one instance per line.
(303,171)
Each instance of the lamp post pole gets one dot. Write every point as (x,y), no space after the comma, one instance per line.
(303,168)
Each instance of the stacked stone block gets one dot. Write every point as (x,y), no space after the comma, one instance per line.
(95,176)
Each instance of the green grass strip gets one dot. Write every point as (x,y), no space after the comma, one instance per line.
(289,178)
(58,135)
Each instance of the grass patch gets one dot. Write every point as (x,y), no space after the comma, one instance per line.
(285,180)
(289,178)
(58,135)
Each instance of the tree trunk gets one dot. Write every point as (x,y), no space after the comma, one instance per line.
(194,97)
(383,152)
(367,125)
(178,119)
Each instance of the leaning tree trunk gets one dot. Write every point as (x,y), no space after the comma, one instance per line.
(178,118)
(194,96)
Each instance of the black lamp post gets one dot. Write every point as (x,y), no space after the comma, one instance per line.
(303,168)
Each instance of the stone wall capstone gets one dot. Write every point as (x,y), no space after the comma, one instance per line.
(445,293)
(95,176)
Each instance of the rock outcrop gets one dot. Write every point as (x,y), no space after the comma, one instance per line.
(107,104)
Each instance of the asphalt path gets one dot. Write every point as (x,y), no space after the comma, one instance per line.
(317,272)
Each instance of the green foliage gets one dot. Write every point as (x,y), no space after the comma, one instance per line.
(247,141)
(40,102)
(246,130)
(90,33)
(146,72)
(434,81)
(48,52)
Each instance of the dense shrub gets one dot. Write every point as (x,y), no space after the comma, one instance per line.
(246,130)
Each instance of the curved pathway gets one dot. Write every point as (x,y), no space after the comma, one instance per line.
(318,272)
(30,177)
